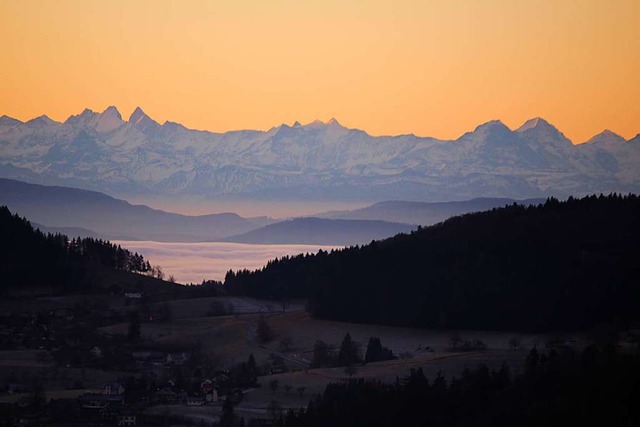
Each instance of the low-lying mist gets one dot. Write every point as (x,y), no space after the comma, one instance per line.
(194,262)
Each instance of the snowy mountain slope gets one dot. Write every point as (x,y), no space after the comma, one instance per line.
(614,154)
(320,161)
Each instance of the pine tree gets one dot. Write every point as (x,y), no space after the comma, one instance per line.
(263,331)
(348,354)
(133,332)
(374,350)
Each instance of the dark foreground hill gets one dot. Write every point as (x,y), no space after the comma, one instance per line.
(597,387)
(32,262)
(556,266)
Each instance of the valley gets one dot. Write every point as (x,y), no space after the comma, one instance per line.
(227,340)
(336,213)
(266,339)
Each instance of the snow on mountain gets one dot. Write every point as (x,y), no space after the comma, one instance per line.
(538,130)
(107,121)
(551,144)
(614,154)
(316,160)
(145,124)
(494,145)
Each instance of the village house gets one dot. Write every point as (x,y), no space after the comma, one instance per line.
(165,396)
(194,401)
(96,352)
(133,295)
(110,394)
(99,400)
(209,391)
(113,389)
(177,358)
(126,418)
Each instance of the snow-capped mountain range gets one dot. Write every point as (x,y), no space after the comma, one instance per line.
(103,152)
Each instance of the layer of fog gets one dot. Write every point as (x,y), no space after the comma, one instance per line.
(194,262)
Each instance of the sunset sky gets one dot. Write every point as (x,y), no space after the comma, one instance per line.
(430,67)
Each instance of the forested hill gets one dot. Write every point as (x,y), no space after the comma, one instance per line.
(32,259)
(556,266)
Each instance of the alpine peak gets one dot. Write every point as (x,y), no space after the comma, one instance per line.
(536,122)
(7,121)
(112,111)
(85,115)
(606,137)
(493,124)
(137,115)
(42,120)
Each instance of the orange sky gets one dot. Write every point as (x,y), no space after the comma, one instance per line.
(433,68)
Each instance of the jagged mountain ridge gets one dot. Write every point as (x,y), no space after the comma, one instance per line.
(103,152)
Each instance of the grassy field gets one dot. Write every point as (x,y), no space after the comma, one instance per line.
(49,395)
(230,339)
(305,330)
(315,380)
(295,389)
(102,279)
(188,308)
(24,359)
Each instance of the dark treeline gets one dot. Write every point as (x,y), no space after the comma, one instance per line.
(599,387)
(556,266)
(348,354)
(30,258)
(106,253)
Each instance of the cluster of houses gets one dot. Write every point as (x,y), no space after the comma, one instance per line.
(146,358)
(33,330)
(109,406)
